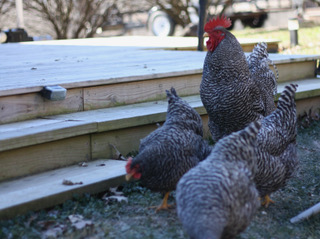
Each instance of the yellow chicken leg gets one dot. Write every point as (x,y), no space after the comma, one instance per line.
(164,205)
(267,200)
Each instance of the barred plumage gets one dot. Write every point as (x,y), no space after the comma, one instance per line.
(218,197)
(235,90)
(277,151)
(171,150)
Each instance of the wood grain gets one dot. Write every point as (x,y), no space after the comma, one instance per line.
(42,157)
(296,71)
(33,105)
(46,189)
(135,92)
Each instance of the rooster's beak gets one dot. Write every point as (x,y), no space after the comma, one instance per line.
(205,34)
(129,176)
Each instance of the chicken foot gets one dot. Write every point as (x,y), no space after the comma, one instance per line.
(267,200)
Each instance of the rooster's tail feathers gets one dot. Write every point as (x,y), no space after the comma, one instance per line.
(172,95)
(286,99)
(260,53)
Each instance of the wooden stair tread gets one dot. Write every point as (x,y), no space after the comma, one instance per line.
(146,42)
(306,87)
(26,133)
(74,66)
(46,189)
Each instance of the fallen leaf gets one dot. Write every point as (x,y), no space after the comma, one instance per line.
(55,231)
(83,164)
(45,225)
(101,164)
(70,183)
(115,192)
(119,156)
(116,198)
(78,222)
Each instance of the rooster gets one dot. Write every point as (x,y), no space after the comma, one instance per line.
(171,150)
(218,197)
(276,145)
(234,90)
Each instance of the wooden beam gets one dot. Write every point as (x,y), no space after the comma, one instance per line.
(33,105)
(139,91)
(46,189)
(42,157)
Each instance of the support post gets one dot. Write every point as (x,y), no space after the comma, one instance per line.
(202,17)
(293,27)
(19,8)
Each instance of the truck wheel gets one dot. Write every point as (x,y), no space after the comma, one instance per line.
(161,24)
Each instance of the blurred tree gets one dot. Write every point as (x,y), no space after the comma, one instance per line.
(176,9)
(5,5)
(316,2)
(75,18)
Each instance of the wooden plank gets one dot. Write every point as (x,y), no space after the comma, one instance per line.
(76,66)
(128,115)
(312,104)
(42,157)
(273,46)
(294,71)
(46,189)
(135,92)
(22,134)
(307,88)
(69,125)
(148,42)
(127,140)
(93,65)
(29,106)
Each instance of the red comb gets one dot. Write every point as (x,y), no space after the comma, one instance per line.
(222,21)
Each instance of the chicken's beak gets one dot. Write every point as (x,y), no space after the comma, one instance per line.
(129,176)
(205,34)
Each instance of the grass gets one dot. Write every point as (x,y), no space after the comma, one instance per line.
(308,38)
(135,219)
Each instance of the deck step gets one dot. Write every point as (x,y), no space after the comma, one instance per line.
(161,43)
(47,189)
(100,76)
(35,146)
(51,149)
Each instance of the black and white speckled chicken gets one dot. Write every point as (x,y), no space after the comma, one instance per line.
(277,151)
(235,90)
(218,198)
(171,150)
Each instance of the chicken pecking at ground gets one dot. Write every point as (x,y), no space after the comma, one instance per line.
(171,150)
(276,144)
(235,90)
(218,198)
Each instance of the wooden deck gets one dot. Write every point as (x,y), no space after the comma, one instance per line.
(92,62)
(115,95)
(97,74)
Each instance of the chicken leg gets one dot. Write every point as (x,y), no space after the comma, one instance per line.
(267,200)
(164,205)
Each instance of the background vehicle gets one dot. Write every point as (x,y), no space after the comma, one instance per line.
(163,21)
